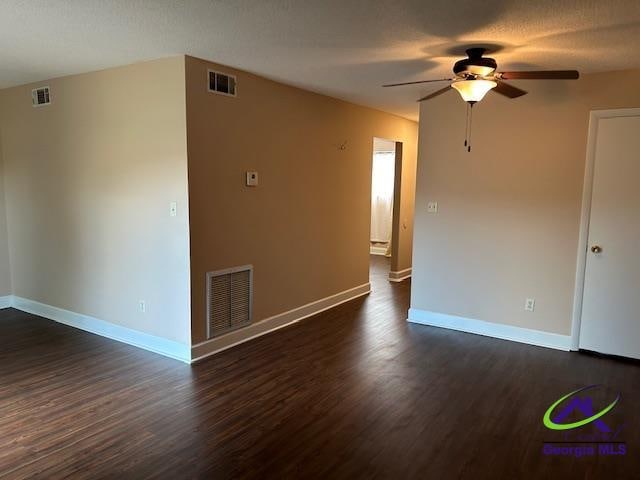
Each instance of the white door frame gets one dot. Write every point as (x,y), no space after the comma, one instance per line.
(587,192)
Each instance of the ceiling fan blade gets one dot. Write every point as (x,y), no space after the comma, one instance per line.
(419,81)
(541,75)
(508,90)
(436,93)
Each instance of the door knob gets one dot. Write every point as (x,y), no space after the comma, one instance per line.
(596,249)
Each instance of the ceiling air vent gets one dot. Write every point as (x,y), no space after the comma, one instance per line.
(222,83)
(229,299)
(40,96)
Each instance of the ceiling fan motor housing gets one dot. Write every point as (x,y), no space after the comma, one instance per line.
(475,65)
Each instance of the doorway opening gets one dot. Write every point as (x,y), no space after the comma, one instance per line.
(385,205)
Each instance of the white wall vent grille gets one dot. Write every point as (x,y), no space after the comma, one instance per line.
(222,83)
(40,96)
(229,299)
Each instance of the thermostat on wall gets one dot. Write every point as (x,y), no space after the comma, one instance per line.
(252,179)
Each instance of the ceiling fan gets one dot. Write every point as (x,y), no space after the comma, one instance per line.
(476,75)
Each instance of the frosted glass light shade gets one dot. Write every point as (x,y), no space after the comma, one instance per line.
(473,90)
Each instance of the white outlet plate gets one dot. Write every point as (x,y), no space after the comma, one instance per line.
(530,304)
(252,179)
(173,209)
(432,207)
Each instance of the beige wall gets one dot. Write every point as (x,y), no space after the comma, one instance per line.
(306,227)
(509,212)
(5,272)
(89,180)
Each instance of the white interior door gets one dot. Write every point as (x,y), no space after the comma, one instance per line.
(611,300)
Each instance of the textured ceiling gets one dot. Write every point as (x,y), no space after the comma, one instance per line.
(345,49)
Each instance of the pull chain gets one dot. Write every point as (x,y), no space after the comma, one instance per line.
(466,128)
(470,125)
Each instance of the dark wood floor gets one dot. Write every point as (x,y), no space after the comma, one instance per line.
(354,392)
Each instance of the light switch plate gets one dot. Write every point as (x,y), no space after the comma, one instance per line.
(252,179)
(530,304)
(432,207)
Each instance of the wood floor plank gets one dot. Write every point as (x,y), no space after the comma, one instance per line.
(354,392)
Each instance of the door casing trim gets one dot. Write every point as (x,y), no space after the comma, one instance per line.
(585,216)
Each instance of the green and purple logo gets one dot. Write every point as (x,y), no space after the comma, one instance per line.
(584,405)
(577,412)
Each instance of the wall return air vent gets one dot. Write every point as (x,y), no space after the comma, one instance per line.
(229,300)
(40,96)
(222,83)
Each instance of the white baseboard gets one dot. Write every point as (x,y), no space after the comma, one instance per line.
(5,302)
(489,329)
(400,275)
(165,347)
(268,325)
(373,250)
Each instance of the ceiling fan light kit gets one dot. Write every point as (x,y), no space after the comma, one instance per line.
(473,91)
(476,75)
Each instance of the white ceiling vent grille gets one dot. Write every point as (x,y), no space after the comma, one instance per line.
(222,83)
(229,299)
(40,96)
